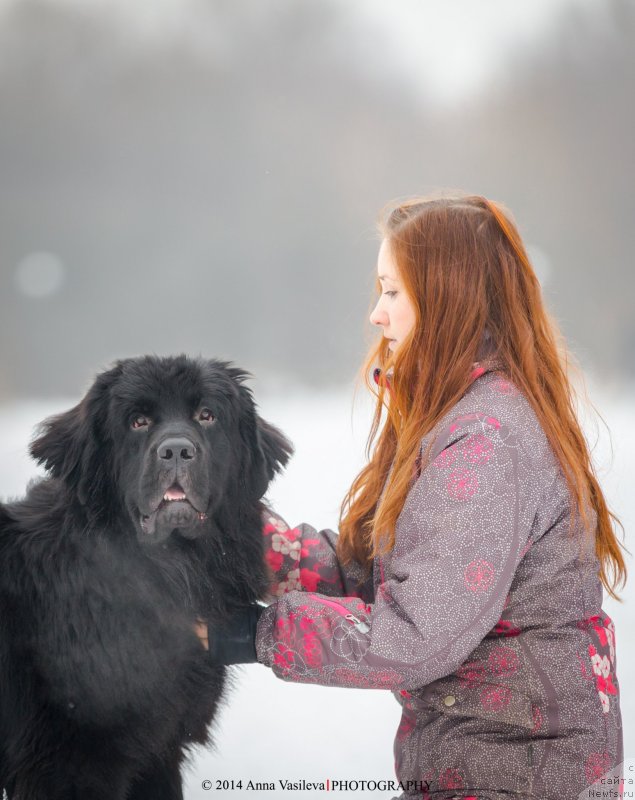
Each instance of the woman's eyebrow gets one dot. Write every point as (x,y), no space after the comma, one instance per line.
(385,278)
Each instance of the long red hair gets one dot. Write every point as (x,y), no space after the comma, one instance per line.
(466,271)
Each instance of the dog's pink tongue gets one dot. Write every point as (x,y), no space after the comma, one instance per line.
(174,493)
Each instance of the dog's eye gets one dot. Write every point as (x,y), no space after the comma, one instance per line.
(206,416)
(140,421)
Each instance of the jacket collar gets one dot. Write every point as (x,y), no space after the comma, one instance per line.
(485,365)
(479,368)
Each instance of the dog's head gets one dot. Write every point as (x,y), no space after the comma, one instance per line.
(164,441)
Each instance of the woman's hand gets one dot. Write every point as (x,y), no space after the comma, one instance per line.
(200,628)
(233,642)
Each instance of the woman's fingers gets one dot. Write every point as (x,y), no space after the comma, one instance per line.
(200,628)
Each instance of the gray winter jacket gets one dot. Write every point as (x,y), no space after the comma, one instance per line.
(485,620)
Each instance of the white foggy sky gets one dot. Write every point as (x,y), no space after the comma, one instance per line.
(448,47)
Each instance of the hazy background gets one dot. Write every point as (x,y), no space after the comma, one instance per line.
(205,175)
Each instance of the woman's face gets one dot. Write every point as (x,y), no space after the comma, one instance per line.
(394,311)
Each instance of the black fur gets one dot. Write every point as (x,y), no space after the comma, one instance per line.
(103,682)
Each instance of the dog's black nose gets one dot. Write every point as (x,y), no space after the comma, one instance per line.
(176,448)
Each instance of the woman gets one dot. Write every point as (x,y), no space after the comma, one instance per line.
(467,576)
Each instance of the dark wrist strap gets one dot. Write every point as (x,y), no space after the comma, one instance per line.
(235,642)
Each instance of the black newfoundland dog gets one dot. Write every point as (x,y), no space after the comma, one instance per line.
(150,519)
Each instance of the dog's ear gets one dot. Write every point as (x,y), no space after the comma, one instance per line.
(276,448)
(72,445)
(267,450)
(271,454)
(59,442)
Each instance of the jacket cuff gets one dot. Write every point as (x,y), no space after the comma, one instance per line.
(265,637)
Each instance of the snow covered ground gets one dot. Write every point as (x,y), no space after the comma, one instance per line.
(270,730)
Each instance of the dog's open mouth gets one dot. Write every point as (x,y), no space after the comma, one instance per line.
(175,510)
(174,495)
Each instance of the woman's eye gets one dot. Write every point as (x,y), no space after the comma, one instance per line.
(205,415)
(391,293)
(140,421)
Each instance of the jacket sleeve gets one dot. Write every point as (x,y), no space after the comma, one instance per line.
(464,528)
(305,559)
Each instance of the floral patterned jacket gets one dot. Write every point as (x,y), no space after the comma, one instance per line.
(485,619)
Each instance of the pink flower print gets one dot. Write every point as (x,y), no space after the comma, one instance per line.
(351,678)
(275,524)
(281,544)
(596,623)
(536,715)
(492,422)
(462,484)
(597,765)
(292,582)
(606,705)
(477,449)
(610,636)
(285,628)
(451,779)
(495,698)
(605,687)
(603,681)
(349,643)
(375,680)
(310,579)
(428,778)
(275,560)
(306,622)
(504,387)
(478,576)
(386,678)
(601,632)
(445,458)
(505,628)
(406,726)
(283,658)
(471,674)
(307,545)
(321,625)
(312,649)
(601,664)
(407,699)
(503,661)
(605,630)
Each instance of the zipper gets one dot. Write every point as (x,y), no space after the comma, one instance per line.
(361,626)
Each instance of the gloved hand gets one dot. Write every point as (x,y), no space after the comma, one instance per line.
(234,642)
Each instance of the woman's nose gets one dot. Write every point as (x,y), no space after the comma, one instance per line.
(378,317)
